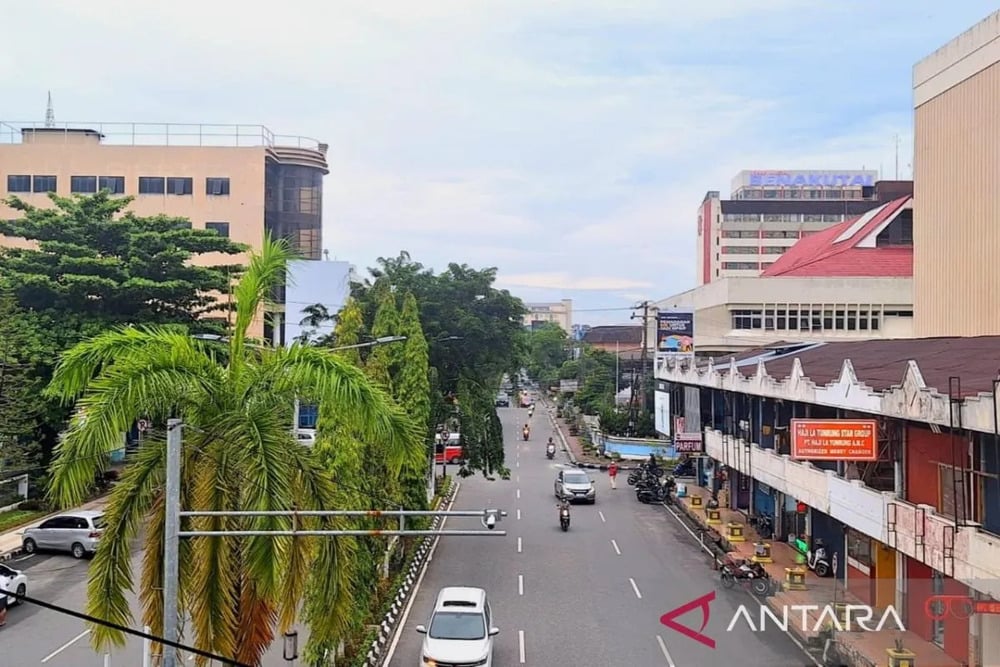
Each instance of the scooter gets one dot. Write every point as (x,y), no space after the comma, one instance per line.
(550,451)
(564,517)
(816,559)
(526,433)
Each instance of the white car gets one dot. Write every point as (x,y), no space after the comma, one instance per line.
(13,581)
(460,631)
(306,436)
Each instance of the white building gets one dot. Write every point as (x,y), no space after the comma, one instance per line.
(559,312)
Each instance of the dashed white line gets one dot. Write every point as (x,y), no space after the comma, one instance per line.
(517,463)
(518,515)
(519,545)
(65,646)
(666,653)
(520,584)
(615,545)
(635,588)
(520,645)
(601,514)
(519,494)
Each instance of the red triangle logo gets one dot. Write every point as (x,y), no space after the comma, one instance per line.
(699,603)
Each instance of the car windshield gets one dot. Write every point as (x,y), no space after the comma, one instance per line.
(576,478)
(99,522)
(457,626)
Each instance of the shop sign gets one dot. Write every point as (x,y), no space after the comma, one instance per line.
(834,439)
(688,442)
(821,179)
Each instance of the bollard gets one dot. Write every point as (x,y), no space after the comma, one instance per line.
(900,657)
(795,579)
(762,552)
(696,502)
(734,532)
(714,517)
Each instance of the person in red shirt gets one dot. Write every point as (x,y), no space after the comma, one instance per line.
(613,474)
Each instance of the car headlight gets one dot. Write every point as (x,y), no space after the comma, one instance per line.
(428,662)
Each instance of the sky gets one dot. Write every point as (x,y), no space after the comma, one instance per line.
(566,142)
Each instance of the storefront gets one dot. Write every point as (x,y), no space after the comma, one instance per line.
(871,569)
(764,499)
(794,521)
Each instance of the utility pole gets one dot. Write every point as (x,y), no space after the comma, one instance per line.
(636,401)
(172,528)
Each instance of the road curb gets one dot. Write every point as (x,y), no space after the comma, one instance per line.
(387,629)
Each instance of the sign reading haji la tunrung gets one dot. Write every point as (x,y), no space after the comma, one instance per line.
(834,439)
(675,334)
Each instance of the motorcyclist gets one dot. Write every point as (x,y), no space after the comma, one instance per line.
(526,431)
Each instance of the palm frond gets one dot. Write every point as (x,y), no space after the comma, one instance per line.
(256,621)
(265,270)
(330,609)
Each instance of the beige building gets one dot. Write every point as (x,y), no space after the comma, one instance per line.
(236,180)
(560,312)
(956,96)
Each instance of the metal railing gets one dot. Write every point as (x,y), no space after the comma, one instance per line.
(162,134)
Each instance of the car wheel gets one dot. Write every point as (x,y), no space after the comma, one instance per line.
(78,550)
(22,590)
(29,546)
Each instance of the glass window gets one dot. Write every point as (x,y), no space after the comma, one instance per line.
(859,547)
(739,234)
(458,626)
(739,250)
(220,228)
(99,522)
(113,184)
(576,478)
(774,249)
(180,185)
(18,183)
(217,186)
(152,185)
(43,184)
(741,266)
(83,184)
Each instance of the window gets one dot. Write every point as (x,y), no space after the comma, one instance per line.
(741,266)
(83,184)
(738,234)
(774,249)
(746,319)
(216,186)
(859,550)
(781,234)
(739,250)
(179,185)
(18,183)
(43,184)
(220,228)
(113,184)
(812,217)
(152,185)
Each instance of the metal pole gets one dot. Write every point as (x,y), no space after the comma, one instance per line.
(295,423)
(618,375)
(369,513)
(107,660)
(342,533)
(147,648)
(172,526)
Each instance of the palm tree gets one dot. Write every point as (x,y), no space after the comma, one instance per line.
(236,401)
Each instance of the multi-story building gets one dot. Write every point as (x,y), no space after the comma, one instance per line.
(769,211)
(956,95)
(850,281)
(559,312)
(237,180)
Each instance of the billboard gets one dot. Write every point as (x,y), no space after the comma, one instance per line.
(661,412)
(675,334)
(568,386)
(834,439)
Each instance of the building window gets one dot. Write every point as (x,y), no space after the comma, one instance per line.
(220,228)
(812,217)
(739,250)
(179,185)
(18,183)
(774,249)
(859,550)
(217,186)
(152,185)
(741,266)
(84,185)
(113,184)
(781,234)
(739,234)
(43,183)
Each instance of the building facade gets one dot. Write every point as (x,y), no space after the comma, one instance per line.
(769,211)
(558,312)
(237,180)
(956,95)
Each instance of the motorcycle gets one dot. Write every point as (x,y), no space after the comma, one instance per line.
(764,525)
(550,451)
(817,561)
(525,433)
(564,517)
(754,573)
(685,468)
(655,490)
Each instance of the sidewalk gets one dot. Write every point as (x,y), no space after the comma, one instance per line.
(863,649)
(10,542)
(574,447)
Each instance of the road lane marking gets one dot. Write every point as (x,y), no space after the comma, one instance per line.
(519,545)
(519,494)
(416,585)
(517,463)
(520,584)
(615,545)
(635,588)
(601,514)
(518,514)
(65,646)
(518,480)
(520,645)
(666,653)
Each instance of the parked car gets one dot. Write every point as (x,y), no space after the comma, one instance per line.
(460,630)
(76,532)
(13,581)
(306,436)
(503,401)
(575,485)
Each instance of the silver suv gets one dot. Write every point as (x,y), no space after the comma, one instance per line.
(75,532)
(460,631)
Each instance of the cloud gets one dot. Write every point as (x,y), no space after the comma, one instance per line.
(566,282)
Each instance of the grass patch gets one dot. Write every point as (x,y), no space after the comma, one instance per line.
(12,519)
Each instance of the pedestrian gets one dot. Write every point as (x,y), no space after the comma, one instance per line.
(613,474)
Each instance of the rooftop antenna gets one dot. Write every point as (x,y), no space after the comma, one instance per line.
(50,113)
(897,156)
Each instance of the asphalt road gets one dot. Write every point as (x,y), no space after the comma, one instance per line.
(592,596)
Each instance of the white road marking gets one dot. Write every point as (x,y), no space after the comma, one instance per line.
(601,514)
(666,653)
(519,545)
(416,586)
(520,584)
(518,514)
(520,645)
(635,588)
(519,494)
(517,463)
(518,480)
(65,646)
(615,545)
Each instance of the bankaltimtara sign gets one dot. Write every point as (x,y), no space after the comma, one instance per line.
(821,179)
(834,439)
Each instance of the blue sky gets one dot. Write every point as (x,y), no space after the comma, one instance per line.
(567,142)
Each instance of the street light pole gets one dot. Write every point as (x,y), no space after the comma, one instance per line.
(172,528)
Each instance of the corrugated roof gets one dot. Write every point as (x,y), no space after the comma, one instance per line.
(835,251)
(625,335)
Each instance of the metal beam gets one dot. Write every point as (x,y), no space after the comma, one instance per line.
(368,513)
(341,533)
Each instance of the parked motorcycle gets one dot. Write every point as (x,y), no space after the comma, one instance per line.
(685,468)
(564,517)
(747,573)
(763,524)
(644,471)
(550,451)
(817,561)
(654,490)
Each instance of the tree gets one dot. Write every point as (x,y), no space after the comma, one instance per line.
(413,392)
(383,362)
(19,340)
(236,401)
(546,353)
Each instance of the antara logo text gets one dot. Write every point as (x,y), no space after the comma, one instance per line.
(854,618)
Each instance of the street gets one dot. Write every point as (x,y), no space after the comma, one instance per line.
(593,595)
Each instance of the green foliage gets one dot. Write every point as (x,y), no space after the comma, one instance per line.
(547,352)
(616,422)
(413,391)
(19,389)
(595,369)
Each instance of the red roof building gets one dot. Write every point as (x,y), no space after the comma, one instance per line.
(879,244)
